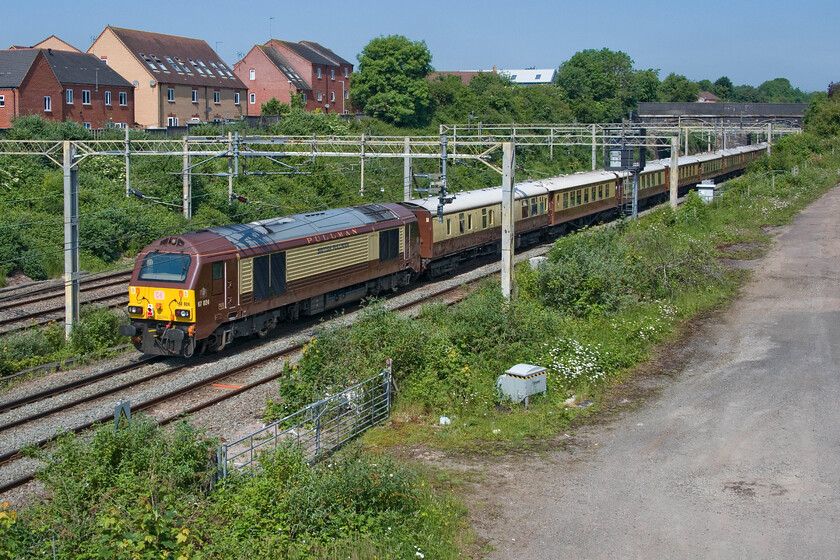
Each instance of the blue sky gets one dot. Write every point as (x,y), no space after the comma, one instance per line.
(748,41)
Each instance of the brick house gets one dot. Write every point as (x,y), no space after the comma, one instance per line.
(177,80)
(62,85)
(281,68)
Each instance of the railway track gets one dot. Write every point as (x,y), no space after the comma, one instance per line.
(26,307)
(235,387)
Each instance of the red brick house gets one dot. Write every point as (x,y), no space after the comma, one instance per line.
(61,85)
(281,69)
(177,79)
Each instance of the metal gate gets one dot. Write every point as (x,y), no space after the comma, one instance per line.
(319,429)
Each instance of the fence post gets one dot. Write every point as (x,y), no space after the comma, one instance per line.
(388,376)
(318,428)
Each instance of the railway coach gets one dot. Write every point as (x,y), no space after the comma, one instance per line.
(202,289)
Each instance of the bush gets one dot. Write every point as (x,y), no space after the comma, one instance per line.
(97,330)
(586,272)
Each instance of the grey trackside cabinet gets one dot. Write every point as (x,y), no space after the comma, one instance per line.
(521,381)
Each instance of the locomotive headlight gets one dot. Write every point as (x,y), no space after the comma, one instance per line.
(135,309)
(182,313)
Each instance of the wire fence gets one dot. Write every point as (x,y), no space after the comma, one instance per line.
(318,429)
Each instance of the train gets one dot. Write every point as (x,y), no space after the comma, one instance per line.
(200,290)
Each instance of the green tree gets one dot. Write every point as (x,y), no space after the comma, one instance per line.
(645,85)
(273,107)
(747,94)
(779,90)
(598,84)
(391,83)
(723,88)
(676,88)
(823,116)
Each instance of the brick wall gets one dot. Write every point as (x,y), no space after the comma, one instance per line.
(38,83)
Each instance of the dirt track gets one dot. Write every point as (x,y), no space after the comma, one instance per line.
(737,456)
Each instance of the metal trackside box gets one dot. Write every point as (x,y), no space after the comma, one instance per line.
(521,381)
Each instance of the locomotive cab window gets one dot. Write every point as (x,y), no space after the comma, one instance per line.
(218,270)
(165,267)
(389,245)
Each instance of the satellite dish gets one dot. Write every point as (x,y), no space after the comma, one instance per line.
(135,83)
(152,83)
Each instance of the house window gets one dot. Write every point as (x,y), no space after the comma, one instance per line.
(332,74)
(87,125)
(346,94)
(236,98)
(69,96)
(319,95)
(171,121)
(108,98)
(303,98)
(195,96)
(123,99)
(332,96)
(252,98)
(318,70)
(2,100)
(170,94)
(85,97)
(217,97)
(252,73)
(346,72)
(47,104)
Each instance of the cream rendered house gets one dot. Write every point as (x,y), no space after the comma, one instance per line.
(177,80)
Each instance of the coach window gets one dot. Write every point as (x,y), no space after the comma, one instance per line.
(492,218)
(525,208)
(600,192)
(585,196)
(448,226)
(534,206)
(461,222)
(469,222)
(565,200)
(542,205)
(484,218)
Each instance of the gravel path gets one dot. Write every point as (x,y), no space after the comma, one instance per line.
(738,456)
